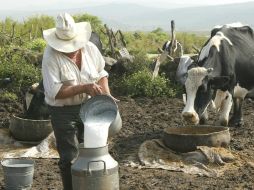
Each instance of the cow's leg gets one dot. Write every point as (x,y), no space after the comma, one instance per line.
(222,104)
(239,95)
(204,118)
(225,108)
(237,117)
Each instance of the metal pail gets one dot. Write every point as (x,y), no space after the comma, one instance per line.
(18,174)
(94,108)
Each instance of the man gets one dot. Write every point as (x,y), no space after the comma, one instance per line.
(72,70)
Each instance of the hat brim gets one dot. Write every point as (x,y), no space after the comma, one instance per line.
(83,35)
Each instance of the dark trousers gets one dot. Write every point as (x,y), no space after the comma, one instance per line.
(69,132)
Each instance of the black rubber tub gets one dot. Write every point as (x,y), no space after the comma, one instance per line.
(186,139)
(29,130)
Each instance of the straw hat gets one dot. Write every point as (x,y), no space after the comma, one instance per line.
(68,36)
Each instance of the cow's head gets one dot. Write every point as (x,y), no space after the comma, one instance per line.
(35,106)
(207,76)
(200,85)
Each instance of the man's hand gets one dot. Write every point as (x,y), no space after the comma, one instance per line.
(93,89)
(116,100)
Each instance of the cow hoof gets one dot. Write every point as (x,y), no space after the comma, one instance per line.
(236,123)
(203,121)
(239,124)
(224,123)
(191,118)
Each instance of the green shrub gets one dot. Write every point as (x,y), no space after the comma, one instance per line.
(21,74)
(126,67)
(8,96)
(141,84)
(38,44)
(139,63)
(136,80)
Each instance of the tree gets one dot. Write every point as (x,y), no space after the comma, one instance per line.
(158,30)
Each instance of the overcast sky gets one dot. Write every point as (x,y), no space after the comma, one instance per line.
(30,5)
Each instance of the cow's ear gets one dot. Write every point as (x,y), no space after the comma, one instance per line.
(219,82)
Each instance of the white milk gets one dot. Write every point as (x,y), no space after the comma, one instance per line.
(96,129)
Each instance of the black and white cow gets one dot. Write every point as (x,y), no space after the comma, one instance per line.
(225,68)
(34,104)
(176,49)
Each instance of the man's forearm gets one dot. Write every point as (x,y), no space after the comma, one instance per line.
(103,82)
(70,91)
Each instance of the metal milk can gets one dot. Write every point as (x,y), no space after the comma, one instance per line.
(95,169)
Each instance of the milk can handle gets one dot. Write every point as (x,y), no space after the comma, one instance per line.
(88,165)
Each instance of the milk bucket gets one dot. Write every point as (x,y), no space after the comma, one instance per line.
(18,174)
(101,119)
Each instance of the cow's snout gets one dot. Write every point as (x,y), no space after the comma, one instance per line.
(191,117)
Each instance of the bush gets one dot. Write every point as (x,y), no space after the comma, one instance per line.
(141,84)
(21,74)
(140,63)
(135,79)
(125,67)
(8,97)
(38,44)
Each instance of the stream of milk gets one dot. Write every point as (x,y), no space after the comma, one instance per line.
(96,129)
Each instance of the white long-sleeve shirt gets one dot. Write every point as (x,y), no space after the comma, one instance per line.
(58,69)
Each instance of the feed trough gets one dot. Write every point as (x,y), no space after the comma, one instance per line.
(186,139)
(28,130)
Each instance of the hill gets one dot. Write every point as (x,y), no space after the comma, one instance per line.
(136,17)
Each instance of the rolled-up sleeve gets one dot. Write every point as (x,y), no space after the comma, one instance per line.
(51,75)
(100,63)
(103,73)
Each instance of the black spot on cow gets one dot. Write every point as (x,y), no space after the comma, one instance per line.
(37,109)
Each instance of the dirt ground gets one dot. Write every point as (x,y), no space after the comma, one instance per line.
(145,119)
